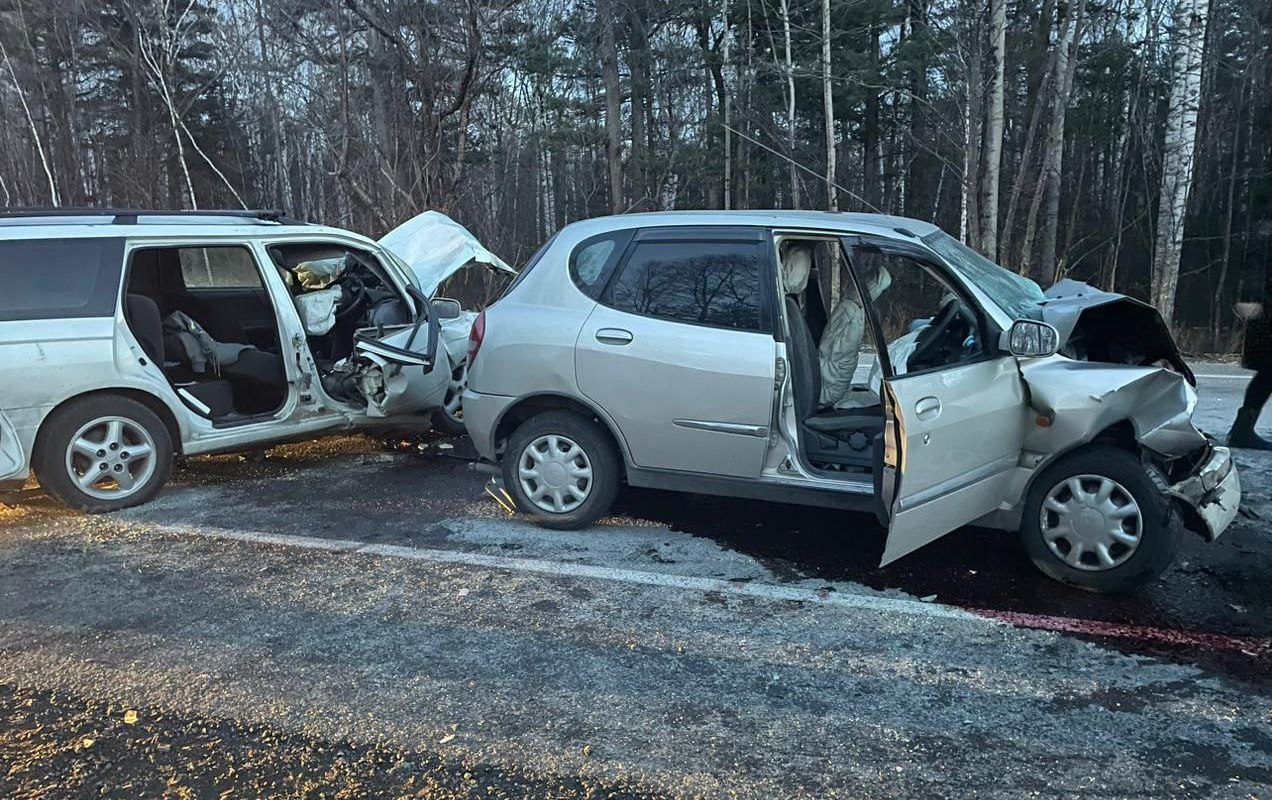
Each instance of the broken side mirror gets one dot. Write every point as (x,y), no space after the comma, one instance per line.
(447,308)
(1029,338)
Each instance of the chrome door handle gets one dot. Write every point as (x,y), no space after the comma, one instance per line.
(613,336)
(927,408)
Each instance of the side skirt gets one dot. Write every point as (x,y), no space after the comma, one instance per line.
(694,483)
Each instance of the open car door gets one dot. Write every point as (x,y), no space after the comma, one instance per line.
(954,426)
(396,365)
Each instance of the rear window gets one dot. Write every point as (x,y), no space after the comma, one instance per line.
(59,278)
(219,268)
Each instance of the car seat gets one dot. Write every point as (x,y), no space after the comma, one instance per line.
(829,437)
(146,323)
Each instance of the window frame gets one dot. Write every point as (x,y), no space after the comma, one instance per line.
(703,234)
(622,242)
(987,330)
(260,286)
(104,297)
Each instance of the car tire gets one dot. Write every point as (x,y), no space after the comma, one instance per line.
(1100,497)
(105,435)
(449,417)
(592,471)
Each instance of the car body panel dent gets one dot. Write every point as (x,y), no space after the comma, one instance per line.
(1081,399)
(1214,491)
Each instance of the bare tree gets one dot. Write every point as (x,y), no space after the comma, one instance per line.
(1177,151)
(994,129)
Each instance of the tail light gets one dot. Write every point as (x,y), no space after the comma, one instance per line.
(475,336)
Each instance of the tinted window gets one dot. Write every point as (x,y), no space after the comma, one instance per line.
(703,283)
(52,278)
(218,268)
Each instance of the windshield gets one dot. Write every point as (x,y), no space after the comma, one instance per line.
(1013,293)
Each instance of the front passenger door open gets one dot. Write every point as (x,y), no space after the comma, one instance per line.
(954,406)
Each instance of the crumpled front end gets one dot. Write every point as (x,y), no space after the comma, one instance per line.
(1078,402)
(1211,494)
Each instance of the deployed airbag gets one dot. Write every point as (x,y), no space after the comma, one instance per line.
(317,310)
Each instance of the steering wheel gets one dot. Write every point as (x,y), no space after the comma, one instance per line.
(353,296)
(942,339)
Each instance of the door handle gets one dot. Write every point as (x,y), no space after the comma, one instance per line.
(613,336)
(927,408)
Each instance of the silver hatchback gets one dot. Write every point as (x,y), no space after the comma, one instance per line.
(856,361)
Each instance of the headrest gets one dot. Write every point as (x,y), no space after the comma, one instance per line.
(796,265)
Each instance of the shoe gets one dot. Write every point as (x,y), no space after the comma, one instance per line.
(1242,433)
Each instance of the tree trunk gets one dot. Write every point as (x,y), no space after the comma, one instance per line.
(1044,269)
(1178,151)
(613,105)
(994,130)
(728,108)
(792,173)
(828,110)
(918,173)
(872,155)
(973,115)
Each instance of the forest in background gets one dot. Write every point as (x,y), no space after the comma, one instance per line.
(1127,143)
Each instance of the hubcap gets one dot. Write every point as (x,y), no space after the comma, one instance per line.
(453,403)
(111,458)
(555,473)
(1091,522)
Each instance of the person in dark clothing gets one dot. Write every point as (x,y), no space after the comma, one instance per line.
(1256,355)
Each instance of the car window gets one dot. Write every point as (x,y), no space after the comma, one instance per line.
(58,278)
(219,268)
(926,323)
(701,283)
(1015,294)
(593,260)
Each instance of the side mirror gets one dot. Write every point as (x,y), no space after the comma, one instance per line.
(447,308)
(1029,338)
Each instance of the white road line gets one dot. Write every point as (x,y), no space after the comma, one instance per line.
(560,569)
(1224,377)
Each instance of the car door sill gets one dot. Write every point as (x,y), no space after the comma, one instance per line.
(697,483)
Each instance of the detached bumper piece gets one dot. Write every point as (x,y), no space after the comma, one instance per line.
(1213,491)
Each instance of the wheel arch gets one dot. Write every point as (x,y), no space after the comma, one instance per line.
(529,406)
(151,401)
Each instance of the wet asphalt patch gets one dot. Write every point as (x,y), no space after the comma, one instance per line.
(57,744)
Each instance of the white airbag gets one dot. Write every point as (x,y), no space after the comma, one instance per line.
(317,310)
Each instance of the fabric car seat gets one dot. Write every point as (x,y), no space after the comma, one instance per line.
(829,437)
(146,323)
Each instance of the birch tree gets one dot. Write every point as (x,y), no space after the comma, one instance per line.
(1178,151)
(994,129)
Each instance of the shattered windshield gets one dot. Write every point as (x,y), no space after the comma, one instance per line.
(1013,293)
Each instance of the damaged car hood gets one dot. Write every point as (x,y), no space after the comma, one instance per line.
(1099,326)
(435,247)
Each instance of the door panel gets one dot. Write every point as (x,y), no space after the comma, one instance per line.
(960,431)
(685,397)
(408,371)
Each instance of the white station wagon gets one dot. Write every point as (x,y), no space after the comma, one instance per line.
(128,336)
(848,360)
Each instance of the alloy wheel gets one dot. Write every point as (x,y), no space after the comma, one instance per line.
(111,458)
(453,403)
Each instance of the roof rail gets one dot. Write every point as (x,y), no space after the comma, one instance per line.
(131,216)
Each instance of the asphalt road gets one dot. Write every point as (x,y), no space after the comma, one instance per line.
(344,621)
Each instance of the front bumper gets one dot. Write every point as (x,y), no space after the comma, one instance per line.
(1213,491)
